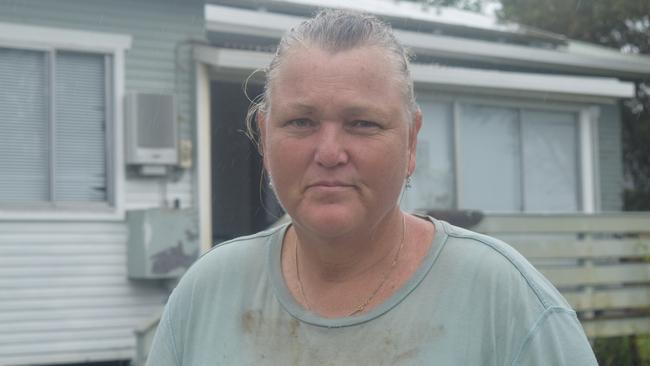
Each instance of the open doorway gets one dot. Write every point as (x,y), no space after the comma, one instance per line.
(242,202)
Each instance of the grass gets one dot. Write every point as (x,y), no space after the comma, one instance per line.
(621,351)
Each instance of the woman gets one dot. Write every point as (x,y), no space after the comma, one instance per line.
(352,279)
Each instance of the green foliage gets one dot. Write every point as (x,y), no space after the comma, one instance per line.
(621,24)
(472,5)
(612,351)
(636,152)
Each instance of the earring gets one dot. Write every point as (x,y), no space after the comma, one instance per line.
(408,182)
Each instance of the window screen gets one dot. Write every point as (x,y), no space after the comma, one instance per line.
(490,159)
(509,159)
(53,126)
(80,119)
(550,161)
(433,179)
(515,159)
(24,134)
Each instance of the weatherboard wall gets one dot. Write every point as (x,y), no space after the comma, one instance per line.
(64,292)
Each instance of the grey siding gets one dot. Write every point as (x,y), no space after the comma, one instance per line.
(64,294)
(610,158)
(64,291)
(159,59)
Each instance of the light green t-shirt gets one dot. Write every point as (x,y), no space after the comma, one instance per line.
(473,301)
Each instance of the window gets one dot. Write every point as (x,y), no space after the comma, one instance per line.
(54,127)
(433,179)
(518,160)
(497,159)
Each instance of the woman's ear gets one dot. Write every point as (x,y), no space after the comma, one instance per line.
(416,124)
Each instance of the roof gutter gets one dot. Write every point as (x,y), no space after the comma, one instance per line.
(229,60)
(581,60)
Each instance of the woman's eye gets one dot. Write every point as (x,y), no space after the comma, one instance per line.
(364,124)
(300,123)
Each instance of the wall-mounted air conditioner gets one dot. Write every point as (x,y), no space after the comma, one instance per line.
(151,133)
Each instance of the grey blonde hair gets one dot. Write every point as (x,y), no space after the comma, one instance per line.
(336,31)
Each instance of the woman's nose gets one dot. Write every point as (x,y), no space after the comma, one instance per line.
(330,146)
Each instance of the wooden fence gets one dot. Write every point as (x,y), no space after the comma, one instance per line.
(600,263)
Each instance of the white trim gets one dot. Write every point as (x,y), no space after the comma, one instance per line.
(443,76)
(519,101)
(47,38)
(561,59)
(119,93)
(595,133)
(37,37)
(224,58)
(519,81)
(249,22)
(203,157)
(587,169)
(264,24)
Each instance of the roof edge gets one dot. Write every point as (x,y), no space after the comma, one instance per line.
(572,58)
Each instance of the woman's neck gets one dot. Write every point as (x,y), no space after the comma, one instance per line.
(354,274)
(349,256)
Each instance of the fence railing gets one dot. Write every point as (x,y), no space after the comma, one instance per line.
(600,263)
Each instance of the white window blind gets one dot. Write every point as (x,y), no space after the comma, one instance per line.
(518,160)
(550,161)
(80,153)
(24,142)
(433,179)
(490,158)
(53,126)
(509,159)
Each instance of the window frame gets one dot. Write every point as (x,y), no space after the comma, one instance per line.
(113,46)
(587,116)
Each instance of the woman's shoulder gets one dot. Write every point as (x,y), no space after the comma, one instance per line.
(239,254)
(245,243)
(496,261)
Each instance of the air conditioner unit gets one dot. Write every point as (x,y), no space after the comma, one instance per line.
(151,133)
(162,243)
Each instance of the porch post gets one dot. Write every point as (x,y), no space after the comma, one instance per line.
(203,157)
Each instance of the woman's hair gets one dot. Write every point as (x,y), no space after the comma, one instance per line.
(336,31)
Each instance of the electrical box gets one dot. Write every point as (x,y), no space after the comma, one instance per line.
(162,243)
(151,131)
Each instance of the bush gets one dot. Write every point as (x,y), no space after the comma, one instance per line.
(622,351)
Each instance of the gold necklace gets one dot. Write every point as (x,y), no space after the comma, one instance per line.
(361,307)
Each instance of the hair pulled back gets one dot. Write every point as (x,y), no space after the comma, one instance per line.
(336,31)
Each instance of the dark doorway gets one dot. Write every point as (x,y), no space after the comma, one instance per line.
(242,202)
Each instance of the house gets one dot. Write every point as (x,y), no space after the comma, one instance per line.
(536,113)
(66,68)
(516,121)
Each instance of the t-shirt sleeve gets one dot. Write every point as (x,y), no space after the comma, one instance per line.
(163,348)
(557,338)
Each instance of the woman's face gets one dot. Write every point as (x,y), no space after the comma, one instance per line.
(337,141)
